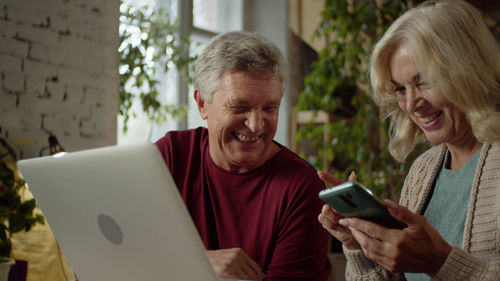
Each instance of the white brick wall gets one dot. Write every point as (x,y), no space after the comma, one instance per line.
(59,72)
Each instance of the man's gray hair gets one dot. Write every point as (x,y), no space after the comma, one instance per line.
(236,51)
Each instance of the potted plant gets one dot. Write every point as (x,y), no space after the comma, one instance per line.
(16,214)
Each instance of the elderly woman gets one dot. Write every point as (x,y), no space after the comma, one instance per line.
(436,71)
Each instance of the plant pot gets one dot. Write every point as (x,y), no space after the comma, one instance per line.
(5,265)
(19,271)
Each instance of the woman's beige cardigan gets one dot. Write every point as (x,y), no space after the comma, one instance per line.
(479,257)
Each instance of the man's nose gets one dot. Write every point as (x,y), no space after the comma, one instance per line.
(255,122)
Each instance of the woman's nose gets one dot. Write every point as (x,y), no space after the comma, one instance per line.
(411,100)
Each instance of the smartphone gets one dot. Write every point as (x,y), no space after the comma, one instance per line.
(351,199)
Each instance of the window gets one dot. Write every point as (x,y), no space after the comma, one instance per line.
(210,17)
(199,20)
(217,15)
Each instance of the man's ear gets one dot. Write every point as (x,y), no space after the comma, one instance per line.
(201,104)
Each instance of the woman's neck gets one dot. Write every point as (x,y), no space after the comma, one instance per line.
(461,154)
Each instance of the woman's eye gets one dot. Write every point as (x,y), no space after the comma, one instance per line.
(399,90)
(423,85)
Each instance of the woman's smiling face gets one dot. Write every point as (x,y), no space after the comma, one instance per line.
(439,119)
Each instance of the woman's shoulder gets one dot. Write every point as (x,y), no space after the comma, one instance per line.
(420,178)
(490,157)
(431,155)
(495,148)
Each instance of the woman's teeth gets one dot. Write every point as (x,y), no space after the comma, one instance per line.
(429,118)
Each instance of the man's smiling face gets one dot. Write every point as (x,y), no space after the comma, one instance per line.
(242,119)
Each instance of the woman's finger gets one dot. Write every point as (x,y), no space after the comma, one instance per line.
(329,178)
(401,213)
(352,176)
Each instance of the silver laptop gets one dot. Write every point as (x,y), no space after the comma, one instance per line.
(117,215)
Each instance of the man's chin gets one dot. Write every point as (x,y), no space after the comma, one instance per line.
(247,162)
(250,160)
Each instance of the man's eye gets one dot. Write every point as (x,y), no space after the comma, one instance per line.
(270,108)
(239,109)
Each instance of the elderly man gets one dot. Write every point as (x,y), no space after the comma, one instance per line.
(253,201)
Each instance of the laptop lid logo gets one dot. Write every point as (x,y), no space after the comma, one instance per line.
(110,229)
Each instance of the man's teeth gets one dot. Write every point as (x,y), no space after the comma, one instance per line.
(243,138)
(429,118)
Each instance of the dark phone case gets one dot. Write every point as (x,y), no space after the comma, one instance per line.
(353,200)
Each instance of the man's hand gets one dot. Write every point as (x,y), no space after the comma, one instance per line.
(234,263)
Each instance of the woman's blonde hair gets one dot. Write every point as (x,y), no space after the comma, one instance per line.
(456,54)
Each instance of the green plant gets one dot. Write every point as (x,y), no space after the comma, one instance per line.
(149,44)
(16,214)
(338,84)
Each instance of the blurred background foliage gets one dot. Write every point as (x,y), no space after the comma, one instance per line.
(149,46)
(17,214)
(338,84)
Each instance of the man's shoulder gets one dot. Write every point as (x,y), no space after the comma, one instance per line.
(180,143)
(296,179)
(183,137)
(294,168)
(292,160)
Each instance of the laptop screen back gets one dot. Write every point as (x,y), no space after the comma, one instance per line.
(117,215)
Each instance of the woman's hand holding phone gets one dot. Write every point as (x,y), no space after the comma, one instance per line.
(329,218)
(416,248)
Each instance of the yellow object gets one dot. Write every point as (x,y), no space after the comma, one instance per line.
(39,248)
